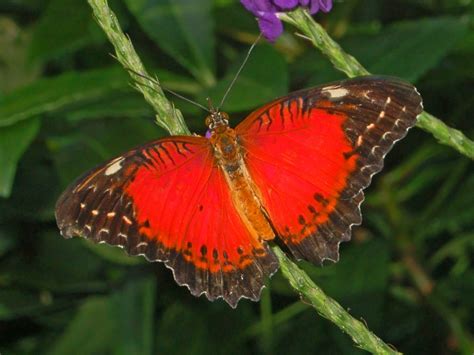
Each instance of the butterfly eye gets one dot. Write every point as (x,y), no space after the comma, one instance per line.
(225,117)
(208,121)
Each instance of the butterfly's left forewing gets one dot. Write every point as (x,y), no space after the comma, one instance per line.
(312,153)
(167,200)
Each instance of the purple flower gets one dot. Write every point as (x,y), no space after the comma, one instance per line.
(266,12)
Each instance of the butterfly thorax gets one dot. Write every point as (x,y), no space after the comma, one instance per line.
(226,148)
(245,195)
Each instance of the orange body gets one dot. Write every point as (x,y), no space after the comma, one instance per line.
(245,195)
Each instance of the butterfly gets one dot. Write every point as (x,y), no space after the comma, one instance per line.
(292,172)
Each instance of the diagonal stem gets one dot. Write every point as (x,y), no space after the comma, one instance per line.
(346,63)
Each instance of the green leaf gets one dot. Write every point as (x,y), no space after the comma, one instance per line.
(256,85)
(183,29)
(15,303)
(35,186)
(48,95)
(65,26)
(458,217)
(113,254)
(115,105)
(313,69)
(15,68)
(359,279)
(170,341)
(459,250)
(92,142)
(359,272)
(7,242)
(408,49)
(132,104)
(204,328)
(92,331)
(119,324)
(13,142)
(134,308)
(58,266)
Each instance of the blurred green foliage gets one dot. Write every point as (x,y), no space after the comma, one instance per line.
(65,105)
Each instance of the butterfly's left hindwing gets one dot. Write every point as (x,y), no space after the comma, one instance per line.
(313,152)
(168,201)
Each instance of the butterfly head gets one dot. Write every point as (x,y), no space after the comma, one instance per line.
(217,121)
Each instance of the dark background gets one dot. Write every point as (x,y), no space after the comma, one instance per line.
(66,105)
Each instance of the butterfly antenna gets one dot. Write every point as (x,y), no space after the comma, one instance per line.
(210,105)
(156,82)
(186,99)
(238,71)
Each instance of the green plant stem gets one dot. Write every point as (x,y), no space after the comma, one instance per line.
(330,309)
(167,116)
(346,63)
(445,134)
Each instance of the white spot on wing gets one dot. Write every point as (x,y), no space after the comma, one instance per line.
(335,92)
(114,166)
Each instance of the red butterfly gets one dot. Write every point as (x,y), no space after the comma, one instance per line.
(293,170)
